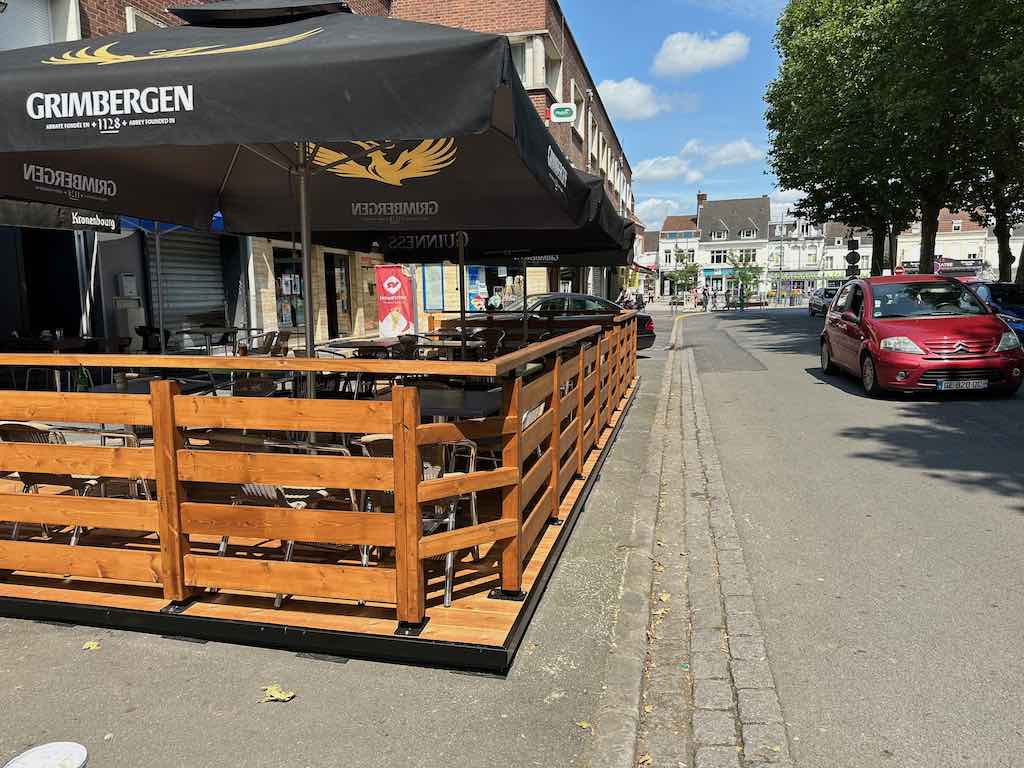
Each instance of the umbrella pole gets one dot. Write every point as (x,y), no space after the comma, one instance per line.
(526,317)
(307,283)
(462,291)
(159,288)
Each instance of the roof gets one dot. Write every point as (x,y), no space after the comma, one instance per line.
(680,223)
(734,216)
(651,241)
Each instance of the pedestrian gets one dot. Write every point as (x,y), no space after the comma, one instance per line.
(742,296)
(704,299)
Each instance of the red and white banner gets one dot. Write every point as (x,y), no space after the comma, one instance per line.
(396,303)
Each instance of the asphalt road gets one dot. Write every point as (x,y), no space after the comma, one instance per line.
(144,700)
(885,541)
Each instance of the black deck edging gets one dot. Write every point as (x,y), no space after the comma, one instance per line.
(464,657)
(522,622)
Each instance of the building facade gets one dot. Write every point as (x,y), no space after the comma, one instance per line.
(678,244)
(961,241)
(731,231)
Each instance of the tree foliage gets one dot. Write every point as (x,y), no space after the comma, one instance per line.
(885,110)
(685,278)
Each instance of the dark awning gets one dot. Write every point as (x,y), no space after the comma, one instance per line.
(255,12)
(41,216)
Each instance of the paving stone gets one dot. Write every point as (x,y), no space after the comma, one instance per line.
(708,641)
(730,556)
(741,624)
(714,728)
(765,743)
(759,706)
(747,648)
(739,604)
(717,757)
(706,615)
(752,674)
(714,694)
(728,544)
(706,666)
(738,586)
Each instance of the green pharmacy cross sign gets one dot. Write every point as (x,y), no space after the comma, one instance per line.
(564,112)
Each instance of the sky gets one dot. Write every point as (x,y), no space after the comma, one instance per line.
(684,81)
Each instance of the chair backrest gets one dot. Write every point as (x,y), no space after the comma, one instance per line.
(406,349)
(262,344)
(39,434)
(280,346)
(493,338)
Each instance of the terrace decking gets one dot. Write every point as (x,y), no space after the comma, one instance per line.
(153,565)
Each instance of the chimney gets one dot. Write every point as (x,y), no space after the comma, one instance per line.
(702,197)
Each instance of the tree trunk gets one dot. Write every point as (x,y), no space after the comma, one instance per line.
(929,229)
(878,236)
(894,239)
(1002,233)
(1020,268)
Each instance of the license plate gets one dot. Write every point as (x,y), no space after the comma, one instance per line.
(949,386)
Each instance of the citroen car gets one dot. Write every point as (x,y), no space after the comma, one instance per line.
(920,333)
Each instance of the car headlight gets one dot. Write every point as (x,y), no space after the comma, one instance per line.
(1008,342)
(901,344)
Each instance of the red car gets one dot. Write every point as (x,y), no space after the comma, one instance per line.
(920,333)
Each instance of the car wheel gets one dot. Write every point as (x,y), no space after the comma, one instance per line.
(869,377)
(810,312)
(827,366)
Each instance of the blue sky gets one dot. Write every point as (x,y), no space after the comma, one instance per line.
(684,81)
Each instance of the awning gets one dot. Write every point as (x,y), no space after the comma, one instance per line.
(41,216)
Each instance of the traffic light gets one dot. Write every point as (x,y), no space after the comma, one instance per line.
(853,259)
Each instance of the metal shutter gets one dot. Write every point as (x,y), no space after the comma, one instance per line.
(25,23)
(193,280)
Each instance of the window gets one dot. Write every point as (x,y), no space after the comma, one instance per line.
(519,59)
(748,234)
(812,257)
(291,311)
(718,257)
(671,235)
(550,305)
(719,235)
(748,256)
(827,262)
(915,228)
(958,225)
(591,304)
(552,69)
(668,257)
(137,21)
(844,296)
(839,242)
(579,99)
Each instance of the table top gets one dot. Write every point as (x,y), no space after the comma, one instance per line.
(451,344)
(141,387)
(460,403)
(209,330)
(361,344)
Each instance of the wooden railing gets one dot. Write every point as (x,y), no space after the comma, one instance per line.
(548,424)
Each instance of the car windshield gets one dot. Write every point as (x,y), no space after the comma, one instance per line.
(924,299)
(829,293)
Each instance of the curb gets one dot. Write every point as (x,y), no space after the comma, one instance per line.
(617,720)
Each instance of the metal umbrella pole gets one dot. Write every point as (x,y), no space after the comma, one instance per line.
(307,282)
(461,237)
(526,316)
(159,288)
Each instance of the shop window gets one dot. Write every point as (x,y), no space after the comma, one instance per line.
(291,307)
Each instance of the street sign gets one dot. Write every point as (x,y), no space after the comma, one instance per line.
(853,271)
(853,258)
(900,270)
(563,112)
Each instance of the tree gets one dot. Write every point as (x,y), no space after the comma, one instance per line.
(746,273)
(684,278)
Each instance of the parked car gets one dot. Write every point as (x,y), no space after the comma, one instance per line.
(920,333)
(580,306)
(820,300)
(1007,301)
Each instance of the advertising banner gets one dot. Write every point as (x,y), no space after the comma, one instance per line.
(396,305)
(476,289)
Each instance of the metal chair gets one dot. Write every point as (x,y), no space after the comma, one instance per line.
(279,348)
(493,339)
(261,345)
(42,434)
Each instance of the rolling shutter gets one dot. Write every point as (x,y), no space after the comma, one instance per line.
(25,23)
(193,278)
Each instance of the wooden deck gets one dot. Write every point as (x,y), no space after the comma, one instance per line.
(477,632)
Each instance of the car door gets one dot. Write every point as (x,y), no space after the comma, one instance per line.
(853,328)
(835,333)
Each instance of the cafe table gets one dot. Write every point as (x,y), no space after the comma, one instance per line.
(140,386)
(209,332)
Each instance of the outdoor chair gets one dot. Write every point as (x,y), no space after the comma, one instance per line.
(261,345)
(42,434)
(444,510)
(279,347)
(493,339)
(254,386)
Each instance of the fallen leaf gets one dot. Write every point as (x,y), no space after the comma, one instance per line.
(659,568)
(644,759)
(775,749)
(275,692)
(108,737)
(660,543)
(648,708)
(665,597)
(584,725)
(685,666)
(91,645)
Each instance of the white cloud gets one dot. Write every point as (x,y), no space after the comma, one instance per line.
(733,153)
(694,160)
(665,168)
(783,199)
(686,53)
(630,99)
(652,212)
